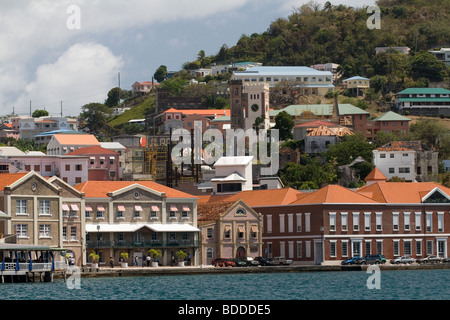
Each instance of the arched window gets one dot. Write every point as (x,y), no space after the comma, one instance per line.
(209,253)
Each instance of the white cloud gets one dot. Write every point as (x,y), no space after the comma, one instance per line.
(82,74)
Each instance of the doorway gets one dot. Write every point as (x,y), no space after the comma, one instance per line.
(241,252)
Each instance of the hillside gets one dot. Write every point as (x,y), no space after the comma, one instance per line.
(339,34)
(140,107)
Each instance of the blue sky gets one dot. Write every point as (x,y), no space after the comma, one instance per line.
(52,52)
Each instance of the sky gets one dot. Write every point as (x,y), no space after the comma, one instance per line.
(63,54)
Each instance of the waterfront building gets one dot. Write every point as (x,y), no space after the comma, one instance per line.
(334,223)
(135,216)
(229,230)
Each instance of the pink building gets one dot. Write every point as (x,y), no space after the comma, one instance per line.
(103,163)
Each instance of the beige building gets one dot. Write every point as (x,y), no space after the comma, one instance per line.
(229,230)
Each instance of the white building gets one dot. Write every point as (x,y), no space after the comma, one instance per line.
(61,144)
(233,174)
(30,127)
(395,162)
(443,54)
(309,80)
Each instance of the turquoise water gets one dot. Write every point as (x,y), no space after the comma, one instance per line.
(351,285)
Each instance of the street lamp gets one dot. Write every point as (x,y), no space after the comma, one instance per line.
(98,238)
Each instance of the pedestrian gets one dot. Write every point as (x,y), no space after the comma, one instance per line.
(148,260)
(172,262)
(111,262)
(136,261)
(189,259)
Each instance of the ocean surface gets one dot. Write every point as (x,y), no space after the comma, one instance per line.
(345,285)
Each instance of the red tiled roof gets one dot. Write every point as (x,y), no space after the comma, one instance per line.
(77,139)
(401,192)
(334,194)
(375,175)
(316,123)
(7,179)
(257,198)
(100,189)
(91,150)
(219,112)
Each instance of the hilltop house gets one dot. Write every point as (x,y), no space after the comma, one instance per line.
(309,80)
(424,101)
(356,85)
(318,139)
(407,159)
(443,55)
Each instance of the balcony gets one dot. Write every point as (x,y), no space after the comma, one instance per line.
(144,244)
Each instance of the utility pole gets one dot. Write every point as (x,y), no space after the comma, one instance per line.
(61,109)
(30,108)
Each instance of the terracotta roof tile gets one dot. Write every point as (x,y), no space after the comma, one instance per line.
(211,211)
(77,139)
(100,189)
(256,198)
(401,192)
(91,150)
(334,194)
(375,175)
(7,179)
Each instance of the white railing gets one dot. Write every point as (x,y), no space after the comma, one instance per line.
(46,266)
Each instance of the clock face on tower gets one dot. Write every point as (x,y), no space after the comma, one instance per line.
(254,107)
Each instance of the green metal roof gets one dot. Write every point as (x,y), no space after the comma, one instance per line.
(424,99)
(425,91)
(320,109)
(391,116)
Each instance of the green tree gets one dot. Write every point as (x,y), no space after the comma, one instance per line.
(426,65)
(93,119)
(350,148)
(160,73)
(430,132)
(114,96)
(284,123)
(39,113)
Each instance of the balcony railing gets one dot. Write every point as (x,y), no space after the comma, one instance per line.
(35,266)
(144,244)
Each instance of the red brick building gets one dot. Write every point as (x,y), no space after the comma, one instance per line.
(335,223)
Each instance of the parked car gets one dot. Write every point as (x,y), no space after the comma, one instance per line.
(223,262)
(373,259)
(352,260)
(239,263)
(263,261)
(429,259)
(281,260)
(402,259)
(446,260)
